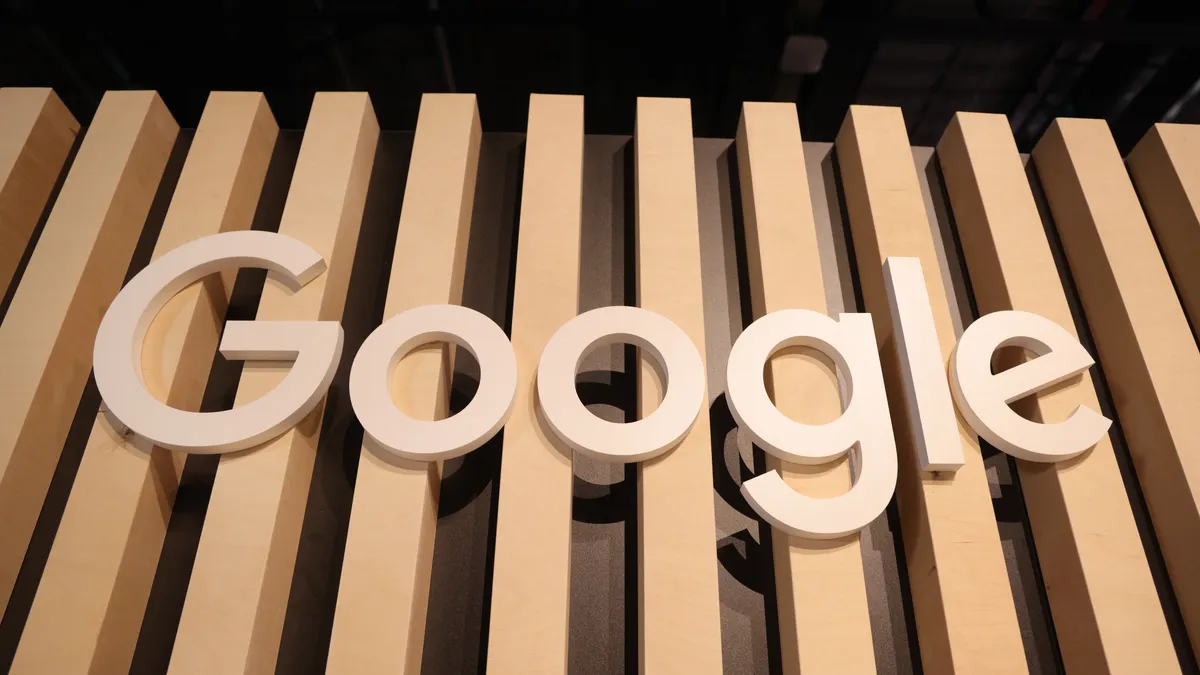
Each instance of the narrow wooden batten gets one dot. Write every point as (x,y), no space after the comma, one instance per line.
(1142,336)
(531,582)
(238,593)
(824,623)
(965,614)
(1165,166)
(1096,575)
(679,609)
(75,271)
(379,623)
(96,582)
(36,135)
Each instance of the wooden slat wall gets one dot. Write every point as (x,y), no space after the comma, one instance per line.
(76,269)
(966,619)
(1141,333)
(1097,579)
(94,589)
(824,622)
(679,611)
(532,573)
(36,135)
(233,614)
(379,624)
(1166,171)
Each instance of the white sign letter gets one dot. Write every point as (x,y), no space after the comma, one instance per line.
(983,397)
(459,434)
(930,410)
(607,441)
(315,346)
(864,423)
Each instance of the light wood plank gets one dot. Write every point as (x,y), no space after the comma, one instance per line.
(379,624)
(238,594)
(680,610)
(76,269)
(824,623)
(1148,351)
(531,582)
(36,134)
(1097,579)
(966,619)
(93,592)
(1166,172)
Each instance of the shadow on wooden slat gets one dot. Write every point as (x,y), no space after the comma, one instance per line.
(25,588)
(165,604)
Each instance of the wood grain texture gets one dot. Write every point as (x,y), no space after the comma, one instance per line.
(36,135)
(1148,352)
(965,614)
(824,623)
(74,273)
(1165,166)
(379,624)
(233,614)
(89,605)
(531,581)
(679,610)
(1108,617)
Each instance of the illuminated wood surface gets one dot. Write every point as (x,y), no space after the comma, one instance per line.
(824,623)
(237,596)
(965,615)
(379,624)
(76,270)
(531,582)
(93,591)
(1166,171)
(36,134)
(1148,351)
(1095,571)
(680,610)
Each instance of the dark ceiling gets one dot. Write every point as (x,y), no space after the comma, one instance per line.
(1133,63)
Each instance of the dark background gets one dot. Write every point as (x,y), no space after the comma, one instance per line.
(1133,63)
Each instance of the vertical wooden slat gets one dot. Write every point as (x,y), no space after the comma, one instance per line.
(532,571)
(75,271)
(679,611)
(233,614)
(966,619)
(1108,617)
(93,591)
(824,623)
(36,134)
(379,624)
(1148,351)
(1166,171)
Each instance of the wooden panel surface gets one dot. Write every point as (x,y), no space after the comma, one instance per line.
(679,610)
(532,571)
(1148,352)
(36,134)
(824,622)
(1095,570)
(966,619)
(379,624)
(93,591)
(238,592)
(76,269)
(1166,171)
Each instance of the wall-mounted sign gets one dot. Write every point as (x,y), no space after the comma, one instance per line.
(315,347)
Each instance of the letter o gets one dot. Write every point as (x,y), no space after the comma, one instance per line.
(576,426)
(424,440)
